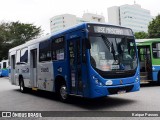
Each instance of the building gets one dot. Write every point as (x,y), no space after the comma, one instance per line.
(132,16)
(60,22)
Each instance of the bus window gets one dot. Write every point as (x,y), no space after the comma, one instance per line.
(110,54)
(58,49)
(13,61)
(44,51)
(4,65)
(18,56)
(24,55)
(156,50)
(71,52)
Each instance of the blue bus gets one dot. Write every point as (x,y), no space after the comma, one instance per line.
(4,71)
(89,60)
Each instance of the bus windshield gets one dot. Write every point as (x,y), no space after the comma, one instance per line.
(113,53)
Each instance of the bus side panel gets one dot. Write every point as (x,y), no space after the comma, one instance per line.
(85,80)
(60,69)
(4,68)
(24,71)
(155,59)
(45,76)
(155,69)
(16,74)
(4,72)
(155,75)
(0,72)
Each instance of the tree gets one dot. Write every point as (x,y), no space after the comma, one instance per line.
(4,34)
(141,35)
(15,33)
(154,28)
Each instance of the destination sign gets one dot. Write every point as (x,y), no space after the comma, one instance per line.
(110,30)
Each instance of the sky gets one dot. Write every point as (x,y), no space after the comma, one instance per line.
(39,12)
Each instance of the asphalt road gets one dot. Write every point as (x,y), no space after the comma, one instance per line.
(11,99)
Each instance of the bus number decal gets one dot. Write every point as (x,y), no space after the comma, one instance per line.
(44,70)
(26,70)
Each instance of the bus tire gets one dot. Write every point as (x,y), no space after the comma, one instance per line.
(62,92)
(22,87)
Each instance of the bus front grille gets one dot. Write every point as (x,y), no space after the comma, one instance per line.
(115,90)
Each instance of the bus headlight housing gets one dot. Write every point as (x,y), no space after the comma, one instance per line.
(137,79)
(109,82)
(97,81)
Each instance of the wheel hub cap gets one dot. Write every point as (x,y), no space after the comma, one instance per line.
(63,92)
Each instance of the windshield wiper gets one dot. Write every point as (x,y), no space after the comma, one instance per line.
(109,45)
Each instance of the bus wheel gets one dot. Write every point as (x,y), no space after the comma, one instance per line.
(21,84)
(63,93)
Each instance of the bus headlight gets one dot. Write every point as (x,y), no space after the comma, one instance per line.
(137,79)
(109,82)
(97,81)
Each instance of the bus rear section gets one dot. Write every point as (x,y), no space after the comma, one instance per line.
(149,57)
(4,70)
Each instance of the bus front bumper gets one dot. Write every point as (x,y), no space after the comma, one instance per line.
(101,91)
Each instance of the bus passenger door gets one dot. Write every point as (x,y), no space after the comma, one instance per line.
(144,55)
(75,66)
(33,63)
(12,69)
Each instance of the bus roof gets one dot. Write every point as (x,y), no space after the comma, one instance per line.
(30,42)
(147,40)
(4,61)
(81,26)
(59,33)
(141,42)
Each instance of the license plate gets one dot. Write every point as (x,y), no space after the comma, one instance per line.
(113,67)
(121,92)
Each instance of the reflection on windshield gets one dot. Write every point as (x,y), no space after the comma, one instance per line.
(111,54)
